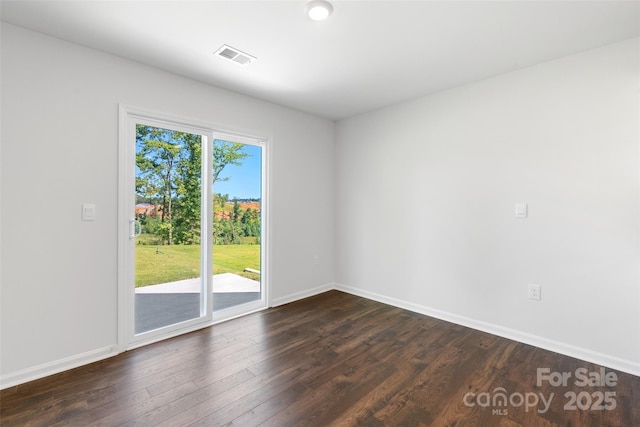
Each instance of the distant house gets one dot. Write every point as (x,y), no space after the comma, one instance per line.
(145,209)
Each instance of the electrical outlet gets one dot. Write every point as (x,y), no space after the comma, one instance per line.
(534,292)
(316,260)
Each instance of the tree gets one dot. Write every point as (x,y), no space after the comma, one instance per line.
(156,155)
(236,211)
(220,200)
(188,192)
(227,230)
(169,172)
(251,222)
(226,153)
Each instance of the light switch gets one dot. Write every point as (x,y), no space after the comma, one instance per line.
(88,212)
(521,210)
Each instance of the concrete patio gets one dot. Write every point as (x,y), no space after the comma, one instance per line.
(225,282)
(164,304)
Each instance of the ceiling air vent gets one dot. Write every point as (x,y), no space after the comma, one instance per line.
(233,54)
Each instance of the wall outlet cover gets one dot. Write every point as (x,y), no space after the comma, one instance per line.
(534,292)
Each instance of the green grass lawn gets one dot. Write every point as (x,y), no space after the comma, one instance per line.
(162,264)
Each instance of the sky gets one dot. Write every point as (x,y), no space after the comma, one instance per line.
(244,181)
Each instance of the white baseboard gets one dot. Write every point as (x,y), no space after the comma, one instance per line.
(303,294)
(628,366)
(607,360)
(57,366)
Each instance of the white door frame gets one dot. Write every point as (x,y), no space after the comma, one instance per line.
(129,116)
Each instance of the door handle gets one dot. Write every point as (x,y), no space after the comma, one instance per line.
(132,228)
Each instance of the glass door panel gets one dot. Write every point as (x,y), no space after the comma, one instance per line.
(168,228)
(237,224)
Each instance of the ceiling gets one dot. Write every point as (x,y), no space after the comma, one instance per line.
(366,55)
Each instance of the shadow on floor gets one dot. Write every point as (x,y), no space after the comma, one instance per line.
(153,311)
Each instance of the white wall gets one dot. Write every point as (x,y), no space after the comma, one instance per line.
(423,206)
(59,149)
(426,192)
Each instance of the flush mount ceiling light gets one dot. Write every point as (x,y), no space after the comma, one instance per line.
(319,9)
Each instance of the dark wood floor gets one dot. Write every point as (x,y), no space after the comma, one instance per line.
(334,359)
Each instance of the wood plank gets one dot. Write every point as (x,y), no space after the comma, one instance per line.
(330,360)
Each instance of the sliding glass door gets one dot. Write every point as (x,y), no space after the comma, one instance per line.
(191,227)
